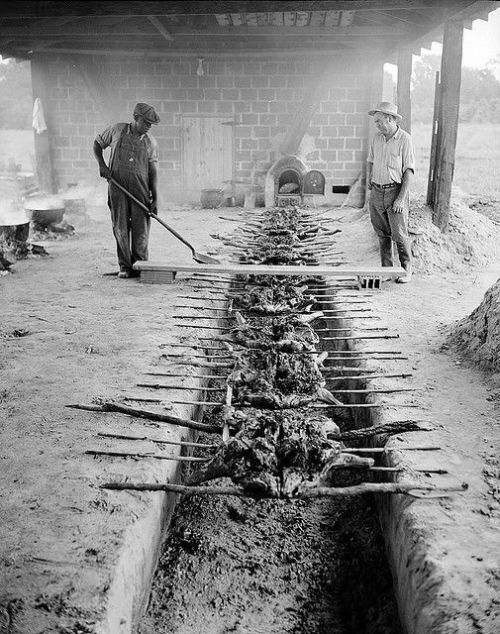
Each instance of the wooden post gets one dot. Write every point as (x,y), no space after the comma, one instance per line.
(403,87)
(433,167)
(44,165)
(451,72)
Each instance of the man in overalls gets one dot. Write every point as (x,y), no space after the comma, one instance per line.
(133,163)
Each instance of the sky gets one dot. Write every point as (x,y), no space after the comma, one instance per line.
(481,44)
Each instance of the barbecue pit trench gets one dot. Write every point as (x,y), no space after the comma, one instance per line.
(184,553)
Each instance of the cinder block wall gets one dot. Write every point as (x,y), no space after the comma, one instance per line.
(263,97)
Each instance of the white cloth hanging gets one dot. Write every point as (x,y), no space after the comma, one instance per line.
(38,117)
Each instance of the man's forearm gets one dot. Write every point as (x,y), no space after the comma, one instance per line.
(405,183)
(369,172)
(153,181)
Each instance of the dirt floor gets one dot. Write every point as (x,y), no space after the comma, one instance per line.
(69,333)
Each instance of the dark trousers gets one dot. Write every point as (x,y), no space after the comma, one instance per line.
(130,228)
(390,226)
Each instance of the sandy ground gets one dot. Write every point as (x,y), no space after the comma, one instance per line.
(86,334)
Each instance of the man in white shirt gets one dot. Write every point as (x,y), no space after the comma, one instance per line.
(391,164)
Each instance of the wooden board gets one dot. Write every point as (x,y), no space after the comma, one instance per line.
(259,269)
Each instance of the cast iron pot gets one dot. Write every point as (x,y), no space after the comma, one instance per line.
(46,217)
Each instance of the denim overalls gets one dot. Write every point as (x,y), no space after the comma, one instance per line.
(130,167)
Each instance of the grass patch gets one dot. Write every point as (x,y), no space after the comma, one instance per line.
(477,159)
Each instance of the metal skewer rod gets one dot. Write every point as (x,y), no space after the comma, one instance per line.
(365,377)
(205,357)
(363,405)
(351,337)
(161,386)
(361,358)
(118,454)
(200,307)
(388,449)
(397,469)
(157,440)
(383,391)
(225,328)
(350,329)
(357,352)
(314,406)
(218,377)
(202,317)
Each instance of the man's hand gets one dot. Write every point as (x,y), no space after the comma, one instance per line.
(104,171)
(153,207)
(398,205)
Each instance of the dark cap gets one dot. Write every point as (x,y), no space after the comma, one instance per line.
(146,111)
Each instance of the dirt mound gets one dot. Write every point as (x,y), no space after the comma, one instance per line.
(472,239)
(478,335)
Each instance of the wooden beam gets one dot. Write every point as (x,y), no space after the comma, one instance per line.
(236,19)
(332,18)
(403,87)
(346,18)
(223,19)
(303,18)
(299,31)
(160,28)
(45,8)
(259,53)
(451,74)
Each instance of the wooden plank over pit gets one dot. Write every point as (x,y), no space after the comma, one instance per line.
(264,269)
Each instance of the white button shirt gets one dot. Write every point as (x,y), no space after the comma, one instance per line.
(391,158)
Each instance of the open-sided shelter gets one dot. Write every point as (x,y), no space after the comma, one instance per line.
(239,86)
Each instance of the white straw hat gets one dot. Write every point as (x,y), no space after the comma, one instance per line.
(386,107)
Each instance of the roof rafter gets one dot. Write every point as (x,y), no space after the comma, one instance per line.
(160,27)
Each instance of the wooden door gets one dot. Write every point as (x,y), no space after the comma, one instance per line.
(207,153)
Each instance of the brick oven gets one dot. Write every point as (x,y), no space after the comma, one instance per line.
(289,181)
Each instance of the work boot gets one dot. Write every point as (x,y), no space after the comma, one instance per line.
(404,279)
(124,273)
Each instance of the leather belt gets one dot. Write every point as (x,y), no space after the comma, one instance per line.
(386,186)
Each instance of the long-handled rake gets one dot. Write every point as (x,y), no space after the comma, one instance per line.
(197,257)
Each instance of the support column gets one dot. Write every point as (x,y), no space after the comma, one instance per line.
(403,87)
(43,159)
(451,75)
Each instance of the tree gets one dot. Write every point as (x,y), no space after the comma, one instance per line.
(479,94)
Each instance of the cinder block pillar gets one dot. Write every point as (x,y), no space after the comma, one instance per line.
(44,164)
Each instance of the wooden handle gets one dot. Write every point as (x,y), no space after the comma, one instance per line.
(153,215)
